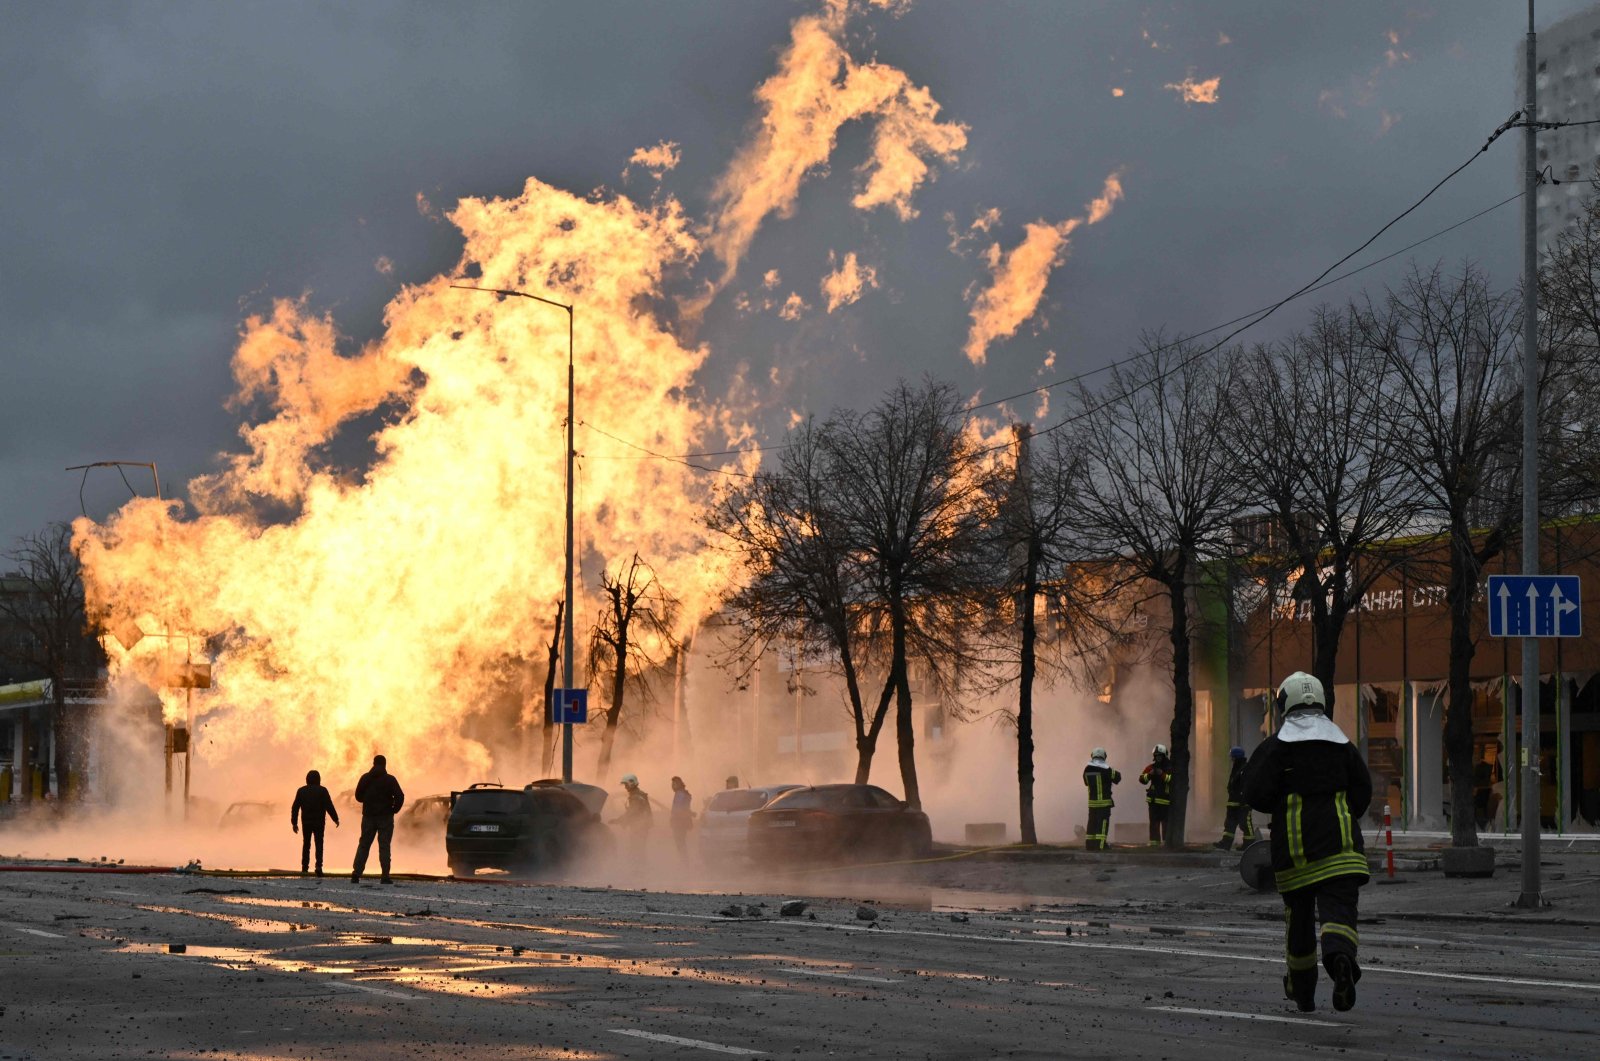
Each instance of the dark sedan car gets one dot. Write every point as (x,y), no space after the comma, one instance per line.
(857,823)
(540,827)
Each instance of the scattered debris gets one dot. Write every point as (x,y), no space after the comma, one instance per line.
(192,866)
(424,912)
(731,910)
(793,908)
(961,918)
(866,913)
(217,891)
(177,948)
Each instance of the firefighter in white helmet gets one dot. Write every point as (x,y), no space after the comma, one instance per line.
(1157,779)
(1098,777)
(1314,783)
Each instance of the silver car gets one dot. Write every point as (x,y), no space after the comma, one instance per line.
(724,823)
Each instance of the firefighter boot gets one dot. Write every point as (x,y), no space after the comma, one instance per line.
(1345,974)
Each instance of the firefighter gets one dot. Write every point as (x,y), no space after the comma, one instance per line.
(634,821)
(1314,783)
(1238,816)
(1099,778)
(1157,779)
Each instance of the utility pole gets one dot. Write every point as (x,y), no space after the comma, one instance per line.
(1530,897)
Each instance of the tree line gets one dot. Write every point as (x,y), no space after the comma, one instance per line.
(1385,432)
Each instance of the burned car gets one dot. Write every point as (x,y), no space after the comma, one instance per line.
(838,823)
(540,827)
(424,819)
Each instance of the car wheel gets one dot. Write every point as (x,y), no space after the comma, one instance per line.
(461,869)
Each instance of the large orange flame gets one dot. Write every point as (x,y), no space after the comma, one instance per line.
(353,610)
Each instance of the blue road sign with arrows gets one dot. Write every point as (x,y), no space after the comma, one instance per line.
(1535,606)
(569,706)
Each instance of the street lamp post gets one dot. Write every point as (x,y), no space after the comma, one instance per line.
(567,649)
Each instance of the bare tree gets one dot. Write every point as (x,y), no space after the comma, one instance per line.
(1160,493)
(547,731)
(1453,343)
(1569,302)
(633,634)
(1316,451)
(863,544)
(47,635)
(802,586)
(1034,546)
(908,491)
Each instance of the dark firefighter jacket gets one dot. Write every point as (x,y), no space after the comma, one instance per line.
(1099,780)
(1236,784)
(379,794)
(312,805)
(1158,775)
(1316,792)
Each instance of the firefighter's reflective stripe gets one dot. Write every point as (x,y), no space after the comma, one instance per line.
(1298,963)
(1351,863)
(1342,809)
(1297,842)
(1158,802)
(1099,790)
(1333,928)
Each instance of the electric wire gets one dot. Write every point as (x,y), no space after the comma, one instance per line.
(1253,317)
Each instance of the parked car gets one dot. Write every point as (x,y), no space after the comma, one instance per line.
(425,818)
(724,825)
(247,812)
(860,823)
(540,827)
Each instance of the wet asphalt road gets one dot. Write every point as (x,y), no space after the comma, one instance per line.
(285,968)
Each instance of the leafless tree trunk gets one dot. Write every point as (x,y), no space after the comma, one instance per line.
(1161,492)
(548,732)
(42,602)
(634,632)
(1317,453)
(1453,343)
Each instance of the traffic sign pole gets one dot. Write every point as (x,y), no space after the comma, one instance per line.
(1530,896)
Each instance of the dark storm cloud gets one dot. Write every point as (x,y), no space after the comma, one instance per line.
(171,168)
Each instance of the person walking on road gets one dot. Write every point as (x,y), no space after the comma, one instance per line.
(1238,816)
(1315,784)
(312,807)
(1157,779)
(1098,778)
(682,816)
(381,799)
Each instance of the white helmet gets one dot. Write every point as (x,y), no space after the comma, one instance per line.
(1159,749)
(1098,755)
(1301,690)
(630,779)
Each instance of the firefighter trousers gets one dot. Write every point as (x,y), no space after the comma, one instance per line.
(1333,902)
(1237,818)
(1158,822)
(1098,834)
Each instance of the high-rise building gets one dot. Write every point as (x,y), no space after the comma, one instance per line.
(1569,91)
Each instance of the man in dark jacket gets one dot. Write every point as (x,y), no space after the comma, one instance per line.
(380,797)
(1238,816)
(312,806)
(1157,777)
(1314,783)
(1098,778)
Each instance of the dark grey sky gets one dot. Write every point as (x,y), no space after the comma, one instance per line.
(169,168)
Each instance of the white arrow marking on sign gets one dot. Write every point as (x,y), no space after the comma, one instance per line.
(1505,609)
(1562,605)
(1533,610)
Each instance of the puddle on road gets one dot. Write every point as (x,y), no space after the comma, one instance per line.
(470,922)
(243,924)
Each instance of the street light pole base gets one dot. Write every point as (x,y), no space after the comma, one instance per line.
(1530,901)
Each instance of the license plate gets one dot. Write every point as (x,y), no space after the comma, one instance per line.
(782,824)
(484,829)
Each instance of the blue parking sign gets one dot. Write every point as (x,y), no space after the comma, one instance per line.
(569,706)
(1535,606)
